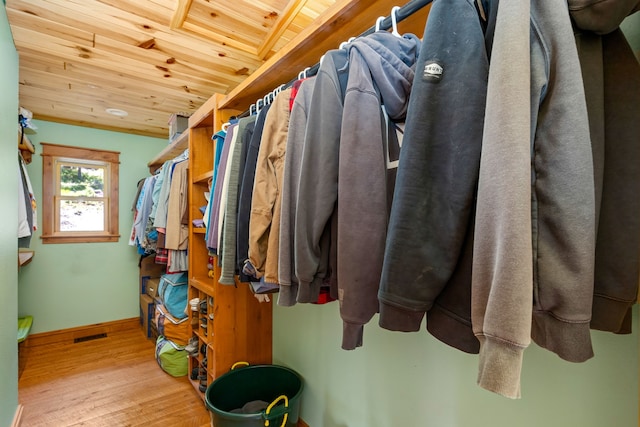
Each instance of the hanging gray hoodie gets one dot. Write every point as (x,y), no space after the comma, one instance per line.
(611,75)
(381,70)
(290,181)
(427,263)
(535,197)
(314,229)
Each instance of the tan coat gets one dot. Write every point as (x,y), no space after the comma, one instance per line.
(177,236)
(264,222)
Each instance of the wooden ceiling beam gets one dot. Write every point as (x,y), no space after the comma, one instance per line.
(219,38)
(180,14)
(64,23)
(288,15)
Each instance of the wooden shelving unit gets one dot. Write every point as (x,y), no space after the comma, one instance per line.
(235,327)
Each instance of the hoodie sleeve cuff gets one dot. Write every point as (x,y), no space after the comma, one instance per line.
(308,292)
(500,367)
(398,319)
(352,335)
(288,295)
(610,315)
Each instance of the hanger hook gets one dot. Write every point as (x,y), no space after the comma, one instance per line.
(251,109)
(303,74)
(379,22)
(394,20)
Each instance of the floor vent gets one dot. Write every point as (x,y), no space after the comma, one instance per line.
(89,338)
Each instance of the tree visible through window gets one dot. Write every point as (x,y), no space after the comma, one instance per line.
(81,202)
(80,194)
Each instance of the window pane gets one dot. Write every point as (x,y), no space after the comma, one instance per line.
(76,215)
(81,180)
(80,194)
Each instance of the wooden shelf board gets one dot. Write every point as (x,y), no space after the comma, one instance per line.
(24,143)
(202,286)
(203,177)
(25,257)
(196,331)
(172,150)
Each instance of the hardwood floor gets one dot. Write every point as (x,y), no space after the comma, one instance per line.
(111,381)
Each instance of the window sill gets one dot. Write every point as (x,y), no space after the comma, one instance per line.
(80,239)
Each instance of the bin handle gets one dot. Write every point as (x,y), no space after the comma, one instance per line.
(239,363)
(270,407)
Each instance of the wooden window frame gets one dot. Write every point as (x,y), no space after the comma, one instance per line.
(51,153)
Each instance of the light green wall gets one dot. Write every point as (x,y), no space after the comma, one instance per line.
(9,223)
(70,285)
(411,380)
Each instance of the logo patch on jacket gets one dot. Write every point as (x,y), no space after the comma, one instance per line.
(433,72)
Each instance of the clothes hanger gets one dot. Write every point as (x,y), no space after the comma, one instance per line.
(394,21)
(379,22)
(275,92)
(251,109)
(345,43)
(303,74)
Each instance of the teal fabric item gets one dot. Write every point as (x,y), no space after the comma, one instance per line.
(173,290)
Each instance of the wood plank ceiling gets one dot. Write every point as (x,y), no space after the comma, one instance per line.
(151,58)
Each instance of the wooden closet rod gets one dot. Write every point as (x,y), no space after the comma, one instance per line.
(403,13)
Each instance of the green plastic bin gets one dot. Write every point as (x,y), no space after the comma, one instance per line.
(280,386)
